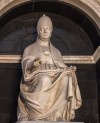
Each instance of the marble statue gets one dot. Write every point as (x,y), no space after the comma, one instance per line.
(49,90)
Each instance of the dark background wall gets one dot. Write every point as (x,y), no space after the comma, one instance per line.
(10,76)
(73,34)
(98,83)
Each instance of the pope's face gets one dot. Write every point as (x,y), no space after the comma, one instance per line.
(44,32)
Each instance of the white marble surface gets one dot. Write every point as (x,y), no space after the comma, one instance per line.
(44,122)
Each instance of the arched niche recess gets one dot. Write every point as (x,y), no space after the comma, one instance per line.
(72,10)
(75,33)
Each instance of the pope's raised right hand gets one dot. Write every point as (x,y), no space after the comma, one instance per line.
(37,62)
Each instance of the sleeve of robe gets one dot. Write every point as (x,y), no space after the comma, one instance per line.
(27,61)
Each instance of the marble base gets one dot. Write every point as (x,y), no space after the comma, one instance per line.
(44,122)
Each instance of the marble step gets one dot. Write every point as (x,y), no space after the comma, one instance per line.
(45,122)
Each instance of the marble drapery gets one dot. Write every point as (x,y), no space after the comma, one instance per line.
(59,99)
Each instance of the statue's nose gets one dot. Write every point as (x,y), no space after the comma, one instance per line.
(45,30)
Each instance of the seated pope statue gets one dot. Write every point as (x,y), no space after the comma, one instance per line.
(49,90)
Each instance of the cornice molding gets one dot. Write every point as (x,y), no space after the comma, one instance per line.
(67,59)
(96,55)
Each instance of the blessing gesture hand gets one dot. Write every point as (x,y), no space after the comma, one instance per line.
(37,62)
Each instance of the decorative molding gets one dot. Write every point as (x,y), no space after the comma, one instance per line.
(4,3)
(10,58)
(67,59)
(78,59)
(96,55)
(45,122)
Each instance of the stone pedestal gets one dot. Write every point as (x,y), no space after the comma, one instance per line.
(44,122)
